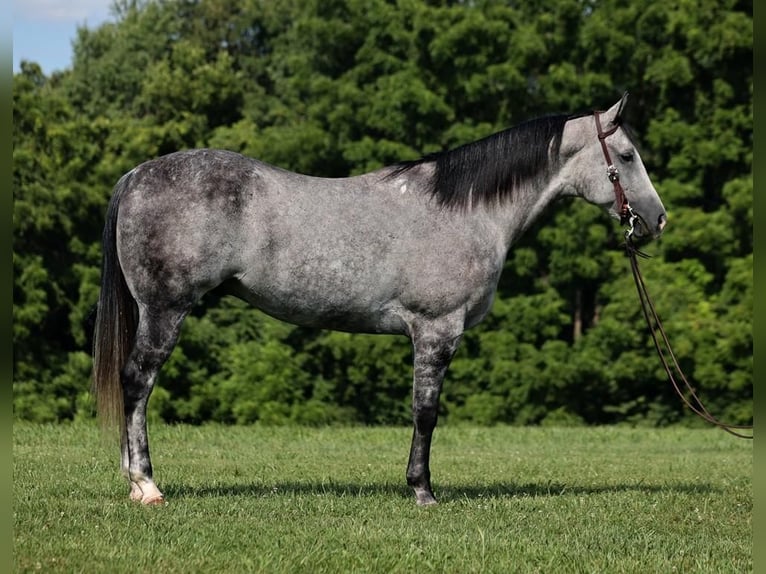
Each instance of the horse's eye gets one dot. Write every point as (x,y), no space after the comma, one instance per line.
(627,157)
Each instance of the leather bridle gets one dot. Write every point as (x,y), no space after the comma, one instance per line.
(625,212)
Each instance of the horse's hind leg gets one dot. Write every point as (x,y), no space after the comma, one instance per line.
(156,336)
(434,346)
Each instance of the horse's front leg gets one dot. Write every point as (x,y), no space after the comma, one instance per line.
(434,348)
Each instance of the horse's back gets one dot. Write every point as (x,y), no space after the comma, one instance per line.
(184,182)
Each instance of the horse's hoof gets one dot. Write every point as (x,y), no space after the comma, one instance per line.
(153,501)
(426,500)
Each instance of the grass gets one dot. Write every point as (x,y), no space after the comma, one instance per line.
(256,499)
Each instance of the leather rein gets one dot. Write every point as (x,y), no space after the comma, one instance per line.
(683,389)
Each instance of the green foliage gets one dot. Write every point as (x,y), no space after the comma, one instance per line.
(343,87)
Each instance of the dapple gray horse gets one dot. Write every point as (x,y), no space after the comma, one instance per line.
(414,249)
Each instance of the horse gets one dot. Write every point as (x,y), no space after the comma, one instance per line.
(415,248)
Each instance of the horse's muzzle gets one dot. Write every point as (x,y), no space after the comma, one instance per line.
(662,221)
(643,231)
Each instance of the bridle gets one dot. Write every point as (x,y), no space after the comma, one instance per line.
(625,211)
(670,363)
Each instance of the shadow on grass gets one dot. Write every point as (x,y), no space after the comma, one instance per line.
(444,493)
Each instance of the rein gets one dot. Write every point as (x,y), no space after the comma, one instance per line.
(664,350)
(671,365)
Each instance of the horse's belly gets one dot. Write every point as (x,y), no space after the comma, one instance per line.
(327,308)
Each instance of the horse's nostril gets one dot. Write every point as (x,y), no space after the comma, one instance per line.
(662,222)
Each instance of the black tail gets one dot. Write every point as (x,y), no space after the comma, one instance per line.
(116,319)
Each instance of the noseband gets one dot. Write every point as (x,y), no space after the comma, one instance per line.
(626,213)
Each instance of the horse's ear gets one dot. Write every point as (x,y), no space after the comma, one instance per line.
(615,113)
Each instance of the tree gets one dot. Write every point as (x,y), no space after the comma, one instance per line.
(342,87)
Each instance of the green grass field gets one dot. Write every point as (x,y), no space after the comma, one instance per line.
(253,499)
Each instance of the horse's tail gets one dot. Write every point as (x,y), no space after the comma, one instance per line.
(115,328)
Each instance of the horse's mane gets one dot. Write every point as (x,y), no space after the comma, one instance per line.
(489,170)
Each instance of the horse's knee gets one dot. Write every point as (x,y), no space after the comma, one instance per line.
(425,401)
(425,416)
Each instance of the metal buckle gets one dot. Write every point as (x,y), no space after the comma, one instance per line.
(612,173)
(631,222)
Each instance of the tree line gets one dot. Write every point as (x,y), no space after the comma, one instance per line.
(341,87)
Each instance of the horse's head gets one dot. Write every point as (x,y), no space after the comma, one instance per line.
(601,164)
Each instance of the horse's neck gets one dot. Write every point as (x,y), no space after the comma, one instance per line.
(526,207)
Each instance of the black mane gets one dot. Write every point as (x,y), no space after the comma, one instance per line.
(488,171)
